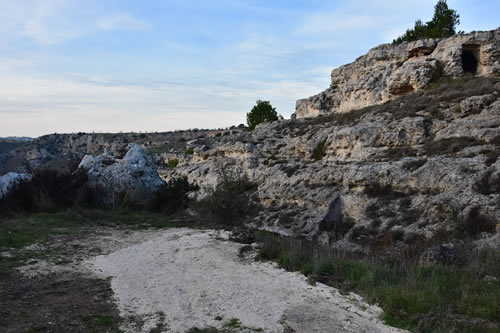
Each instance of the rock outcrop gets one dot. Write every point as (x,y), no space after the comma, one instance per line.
(402,172)
(134,177)
(10,179)
(388,71)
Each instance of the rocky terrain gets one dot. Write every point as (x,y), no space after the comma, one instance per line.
(414,164)
(388,71)
(400,155)
(65,151)
(414,167)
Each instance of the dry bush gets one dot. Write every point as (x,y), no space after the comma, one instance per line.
(230,202)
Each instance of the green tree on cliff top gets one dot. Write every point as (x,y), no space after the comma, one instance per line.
(443,24)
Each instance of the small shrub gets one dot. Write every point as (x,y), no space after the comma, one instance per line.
(475,223)
(173,196)
(230,202)
(488,183)
(189,151)
(173,163)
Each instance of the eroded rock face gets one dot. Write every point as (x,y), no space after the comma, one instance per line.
(10,179)
(134,176)
(388,71)
(406,170)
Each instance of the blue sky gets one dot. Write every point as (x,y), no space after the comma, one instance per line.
(157,65)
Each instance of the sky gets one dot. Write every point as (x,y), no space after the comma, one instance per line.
(160,65)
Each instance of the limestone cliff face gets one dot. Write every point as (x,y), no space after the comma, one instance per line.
(388,71)
(420,165)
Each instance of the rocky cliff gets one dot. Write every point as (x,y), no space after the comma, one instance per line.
(404,150)
(388,71)
(410,170)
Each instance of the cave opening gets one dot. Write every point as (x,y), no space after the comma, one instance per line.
(470,55)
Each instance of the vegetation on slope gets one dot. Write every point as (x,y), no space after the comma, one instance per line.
(443,24)
(423,298)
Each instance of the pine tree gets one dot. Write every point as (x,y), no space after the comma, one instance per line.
(442,24)
(261,112)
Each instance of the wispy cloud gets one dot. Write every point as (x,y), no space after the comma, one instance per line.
(45,21)
(121,21)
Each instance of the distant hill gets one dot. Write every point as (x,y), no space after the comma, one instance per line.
(17,138)
(6,146)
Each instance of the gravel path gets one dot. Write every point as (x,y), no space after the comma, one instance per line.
(185,278)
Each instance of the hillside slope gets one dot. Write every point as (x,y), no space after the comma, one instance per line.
(413,169)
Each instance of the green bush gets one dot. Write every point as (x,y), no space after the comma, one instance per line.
(173,195)
(189,151)
(443,24)
(261,112)
(173,163)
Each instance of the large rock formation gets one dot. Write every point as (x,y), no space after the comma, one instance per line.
(388,71)
(134,177)
(407,170)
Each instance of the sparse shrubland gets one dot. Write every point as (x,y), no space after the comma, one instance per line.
(425,298)
(50,190)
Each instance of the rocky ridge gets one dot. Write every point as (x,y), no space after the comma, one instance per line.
(410,169)
(388,71)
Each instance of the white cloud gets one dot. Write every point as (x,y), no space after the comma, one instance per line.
(121,21)
(56,21)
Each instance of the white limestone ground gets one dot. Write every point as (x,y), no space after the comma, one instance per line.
(185,278)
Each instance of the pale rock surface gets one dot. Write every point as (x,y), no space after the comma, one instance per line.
(10,179)
(388,71)
(135,175)
(429,169)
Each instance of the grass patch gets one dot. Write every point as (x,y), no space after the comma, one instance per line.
(100,323)
(408,293)
(26,229)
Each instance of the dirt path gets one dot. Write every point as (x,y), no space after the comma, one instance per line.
(183,278)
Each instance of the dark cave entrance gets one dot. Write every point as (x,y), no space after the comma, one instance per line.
(470,56)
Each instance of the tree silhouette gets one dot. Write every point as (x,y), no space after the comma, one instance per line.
(262,111)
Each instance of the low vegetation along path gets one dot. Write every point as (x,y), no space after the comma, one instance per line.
(186,280)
